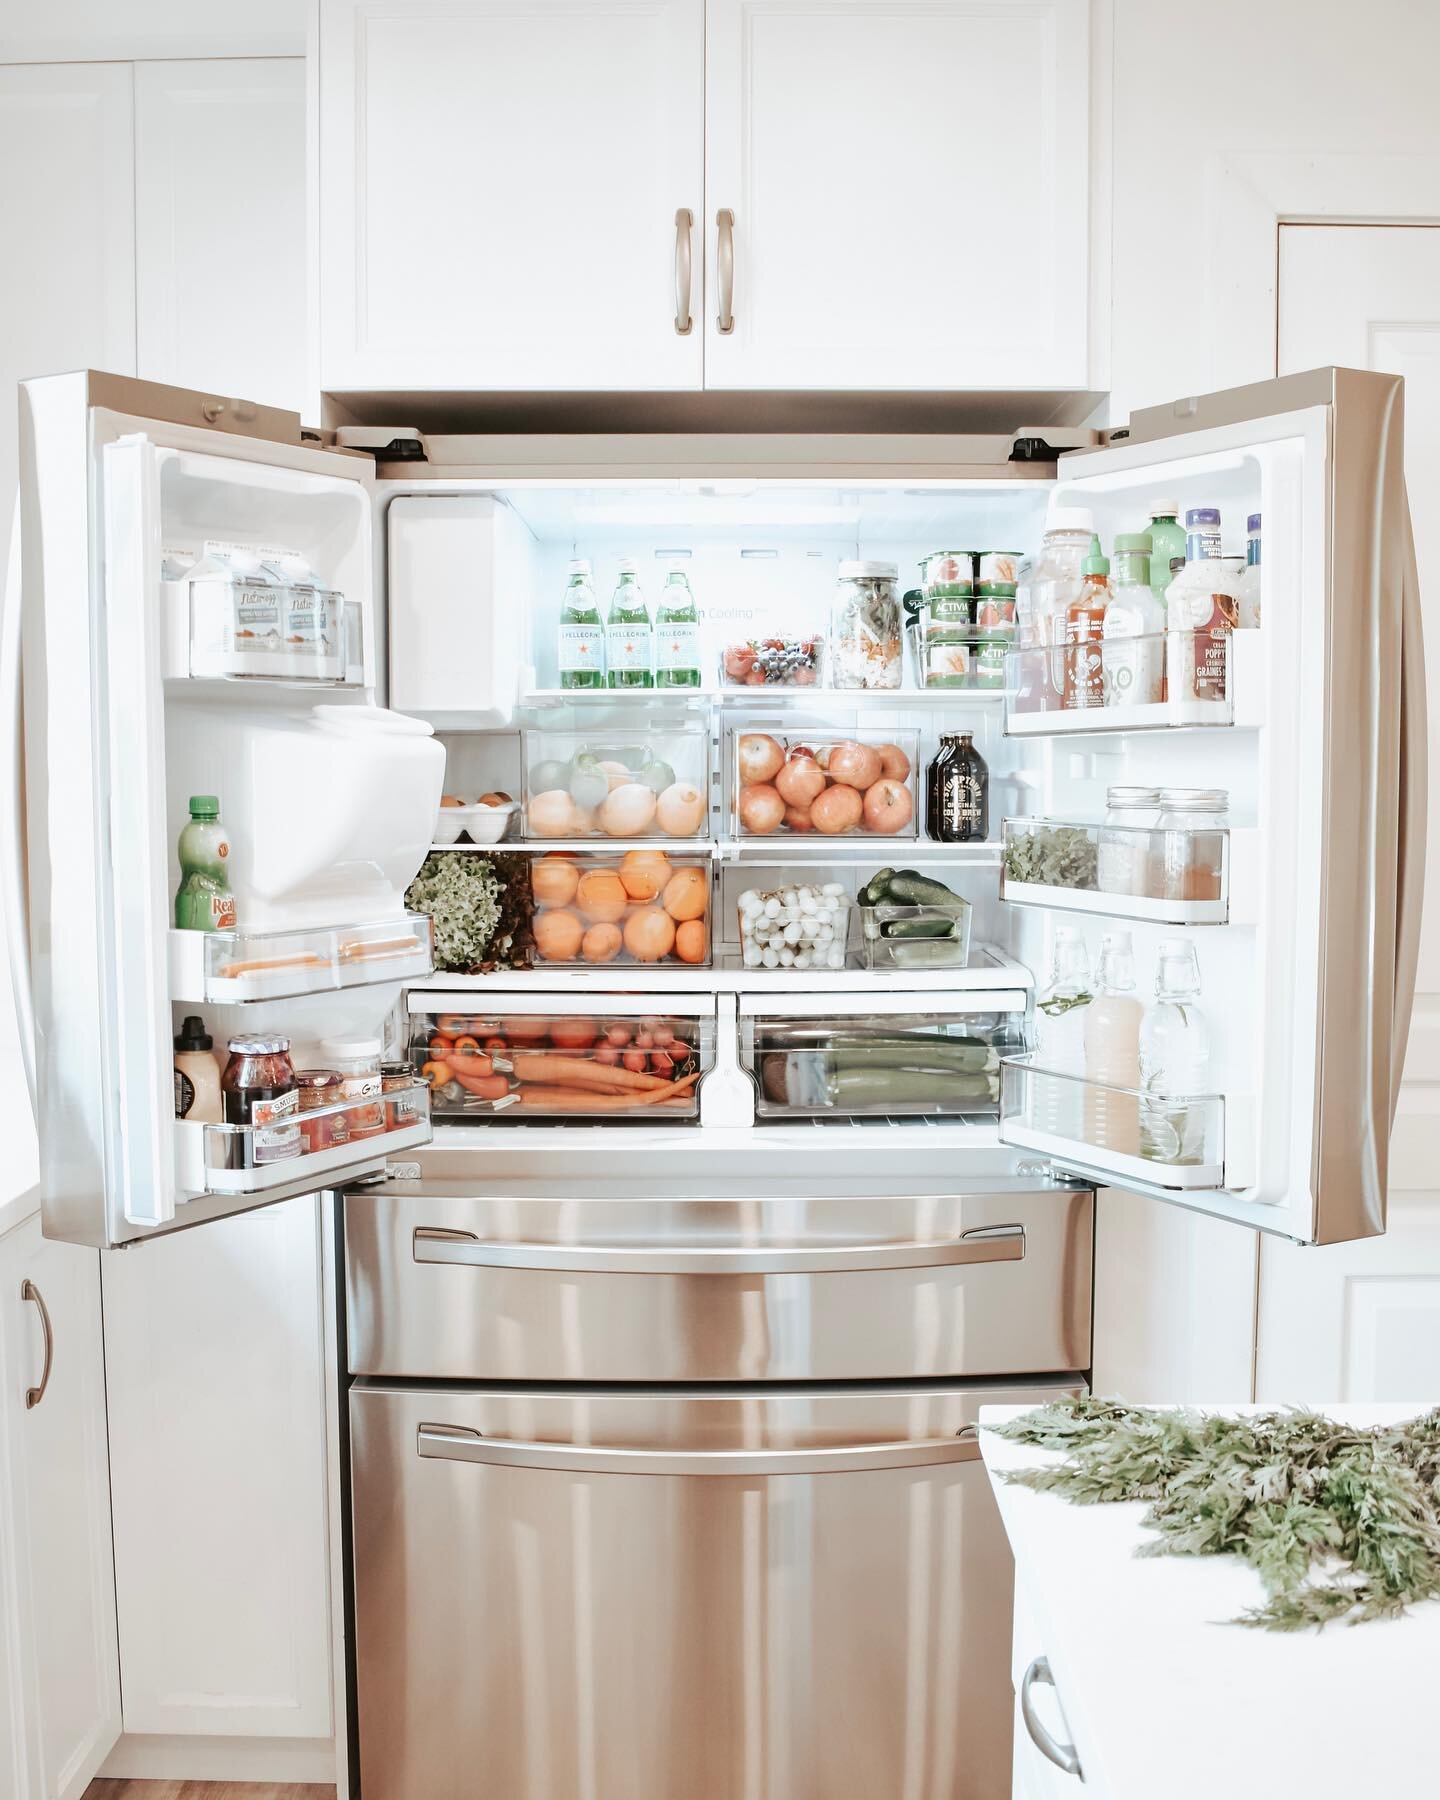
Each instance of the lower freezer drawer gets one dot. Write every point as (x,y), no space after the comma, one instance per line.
(643,1595)
(525,1287)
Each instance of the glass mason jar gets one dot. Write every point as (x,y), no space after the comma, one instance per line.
(866,632)
(1124,855)
(1191,843)
(357,1062)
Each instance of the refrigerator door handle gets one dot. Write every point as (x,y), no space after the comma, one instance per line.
(460,1443)
(12,851)
(1062,1755)
(985,1244)
(1414,780)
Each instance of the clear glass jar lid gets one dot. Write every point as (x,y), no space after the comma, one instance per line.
(1132,796)
(868,571)
(1194,799)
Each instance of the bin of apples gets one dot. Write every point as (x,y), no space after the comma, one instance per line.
(834,786)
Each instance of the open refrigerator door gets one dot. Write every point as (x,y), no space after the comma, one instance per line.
(199,628)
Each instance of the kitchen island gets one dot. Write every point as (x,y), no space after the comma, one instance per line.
(1159,1696)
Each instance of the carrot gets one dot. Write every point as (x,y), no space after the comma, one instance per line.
(484,1087)
(473,1062)
(467,1043)
(535,1065)
(436,1073)
(441,1043)
(577,1099)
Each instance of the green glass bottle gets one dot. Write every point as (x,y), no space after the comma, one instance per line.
(582,632)
(677,633)
(204,901)
(629,636)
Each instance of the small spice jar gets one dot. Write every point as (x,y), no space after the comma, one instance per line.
(398,1079)
(1191,840)
(357,1062)
(1123,856)
(258,1089)
(320,1087)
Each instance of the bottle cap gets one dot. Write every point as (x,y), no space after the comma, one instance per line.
(1132,796)
(1069,518)
(626,565)
(1134,543)
(868,571)
(1194,799)
(204,806)
(1164,509)
(1201,516)
(1096,561)
(579,565)
(351,1049)
(1253,522)
(193,1035)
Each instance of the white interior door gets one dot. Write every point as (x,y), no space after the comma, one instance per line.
(1362,1321)
(220,226)
(883,165)
(498,193)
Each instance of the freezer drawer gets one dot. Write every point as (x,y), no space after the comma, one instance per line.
(532,1287)
(638,1596)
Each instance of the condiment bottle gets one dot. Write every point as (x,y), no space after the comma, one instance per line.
(1167,544)
(1200,614)
(204,901)
(258,1089)
(197,1074)
(1085,630)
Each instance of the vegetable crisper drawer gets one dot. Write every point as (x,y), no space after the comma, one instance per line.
(917,1055)
(731,1283)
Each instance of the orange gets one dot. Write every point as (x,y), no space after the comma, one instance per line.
(649,934)
(692,941)
(553,881)
(687,894)
(558,935)
(601,943)
(644,873)
(601,897)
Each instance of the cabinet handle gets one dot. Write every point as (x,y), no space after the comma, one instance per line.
(684,220)
(1062,1755)
(29,1291)
(725,256)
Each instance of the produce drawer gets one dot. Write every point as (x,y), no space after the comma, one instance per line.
(622,1056)
(894,1056)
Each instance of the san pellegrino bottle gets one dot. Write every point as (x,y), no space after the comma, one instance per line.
(582,631)
(1174,1060)
(204,901)
(629,635)
(1112,1049)
(1056,1103)
(677,633)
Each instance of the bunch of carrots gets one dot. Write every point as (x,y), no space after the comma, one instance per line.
(563,1064)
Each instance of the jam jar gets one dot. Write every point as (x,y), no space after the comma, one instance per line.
(258,1089)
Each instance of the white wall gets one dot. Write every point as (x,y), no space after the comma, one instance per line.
(1203,96)
(119,30)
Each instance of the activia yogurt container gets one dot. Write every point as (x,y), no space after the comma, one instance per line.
(949,574)
(999,572)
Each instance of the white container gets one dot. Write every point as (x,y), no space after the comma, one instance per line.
(356,1060)
(481,824)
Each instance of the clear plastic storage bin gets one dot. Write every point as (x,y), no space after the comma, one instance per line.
(639,906)
(617,784)
(823,785)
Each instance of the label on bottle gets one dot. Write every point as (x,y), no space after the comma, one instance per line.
(628,649)
(677,645)
(257,616)
(582,648)
(275,1134)
(1202,544)
(222,908)
(184,1094)
(1198,661)
(311,619)
(1084,659)
(962,806)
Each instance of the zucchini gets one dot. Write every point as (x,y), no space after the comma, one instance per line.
(898,1090)
(918,928)
(876,888)
(938,1059)
(908,889)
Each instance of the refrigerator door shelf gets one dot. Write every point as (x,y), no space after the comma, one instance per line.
(198,645)
(1235,678)
(1205,877)
(229,968)
(1101,1128)
(221,1159)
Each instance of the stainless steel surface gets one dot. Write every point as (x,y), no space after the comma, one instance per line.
(540,1285)
(684,226)
(1062,1755)
(725,267)
(1230,406)
(549,1631)
(15,905)
(1414,813)
(459,1443)
(29,1291)
(999,1243)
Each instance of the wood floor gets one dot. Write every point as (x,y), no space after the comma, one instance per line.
(204,1790)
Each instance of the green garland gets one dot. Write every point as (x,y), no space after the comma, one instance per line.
(1338,1523)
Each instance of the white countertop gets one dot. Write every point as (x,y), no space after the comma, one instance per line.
(1167,1702)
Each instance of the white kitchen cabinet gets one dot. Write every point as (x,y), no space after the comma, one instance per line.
(220,226)
(62,1624)
(498,189)
(217,1426)
(909,189)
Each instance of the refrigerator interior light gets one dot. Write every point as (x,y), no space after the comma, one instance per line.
(682,512)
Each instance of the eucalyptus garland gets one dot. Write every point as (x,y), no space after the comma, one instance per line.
(1339,1523)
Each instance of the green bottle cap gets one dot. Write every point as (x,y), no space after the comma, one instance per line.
(1096,563)
(1134,543)
(204,806)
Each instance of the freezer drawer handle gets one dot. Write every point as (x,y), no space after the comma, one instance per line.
(984,1244)
(29,1291)
(1062,1755)
(459,1443)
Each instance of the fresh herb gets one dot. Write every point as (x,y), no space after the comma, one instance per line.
(481,908)
(1053,856)
(1339,1523)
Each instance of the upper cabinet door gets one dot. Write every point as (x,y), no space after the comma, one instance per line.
(908,189)
(499,187)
